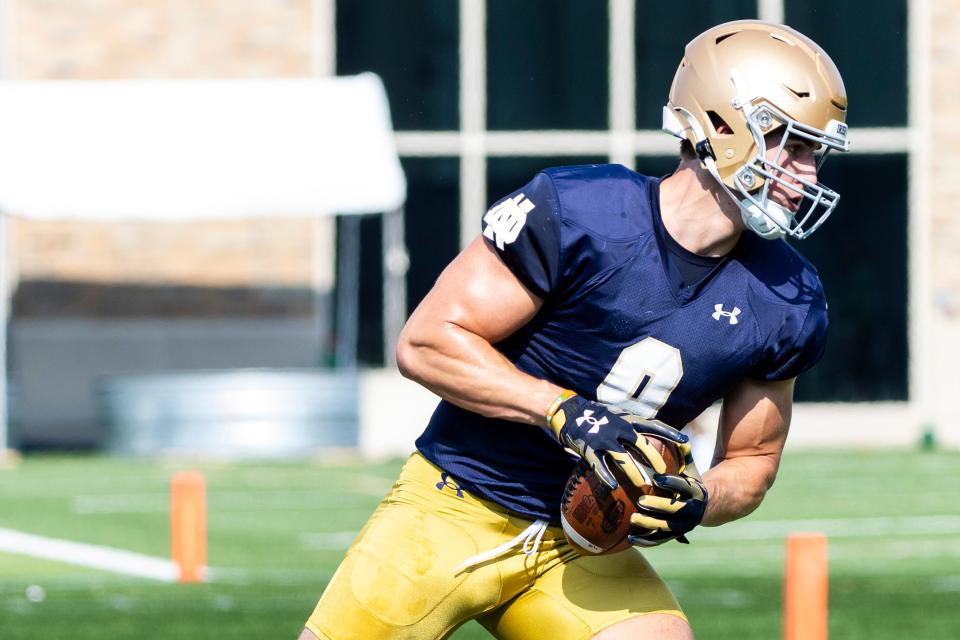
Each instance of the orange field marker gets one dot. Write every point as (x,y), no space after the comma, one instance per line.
(188,525)
(805,587)
(9,458)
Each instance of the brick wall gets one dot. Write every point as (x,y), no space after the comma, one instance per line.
(162,38)
(116,39)
(945,154)
(940,343)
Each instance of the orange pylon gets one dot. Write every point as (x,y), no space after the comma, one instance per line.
(805,584)
(188,525)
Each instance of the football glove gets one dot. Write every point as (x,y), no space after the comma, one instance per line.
(599,434)
(661,519)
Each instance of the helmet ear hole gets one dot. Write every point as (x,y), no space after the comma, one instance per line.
(719,124)
(723,37)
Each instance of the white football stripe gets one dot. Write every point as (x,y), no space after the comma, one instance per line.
(88,555)
(576,538)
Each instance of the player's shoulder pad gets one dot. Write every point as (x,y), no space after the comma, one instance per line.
(796,319)
(569,223)
(605,200)
(780,274)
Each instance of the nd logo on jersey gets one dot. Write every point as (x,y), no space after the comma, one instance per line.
(505,220)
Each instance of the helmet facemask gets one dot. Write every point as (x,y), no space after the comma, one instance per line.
(770,219)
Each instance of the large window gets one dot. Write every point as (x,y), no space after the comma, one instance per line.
(548,66)
(548,85)
(660,39)
(432,232)
(412,45)
(861,255)
(870,49)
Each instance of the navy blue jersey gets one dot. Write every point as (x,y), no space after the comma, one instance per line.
(615,327)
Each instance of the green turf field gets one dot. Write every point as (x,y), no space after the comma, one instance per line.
(276,533)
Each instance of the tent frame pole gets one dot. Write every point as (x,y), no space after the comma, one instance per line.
(5,444)
(396,262)
(348,291)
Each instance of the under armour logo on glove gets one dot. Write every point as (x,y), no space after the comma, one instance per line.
(596,445)
(593,422)
(505,220)
(720,313)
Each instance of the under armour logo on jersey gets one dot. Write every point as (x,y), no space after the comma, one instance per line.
(505,220)
(594,423)
(730,315)
(450,483)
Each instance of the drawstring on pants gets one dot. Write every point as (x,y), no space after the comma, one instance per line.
(529,537)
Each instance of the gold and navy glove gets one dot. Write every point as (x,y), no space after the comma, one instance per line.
(660,519)
(600,435)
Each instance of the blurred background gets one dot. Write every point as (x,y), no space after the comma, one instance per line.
(482,95)
(138,336)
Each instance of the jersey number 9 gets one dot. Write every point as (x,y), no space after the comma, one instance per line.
(642,379)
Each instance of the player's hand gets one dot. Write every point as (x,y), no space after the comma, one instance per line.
(601,435)
(661,519)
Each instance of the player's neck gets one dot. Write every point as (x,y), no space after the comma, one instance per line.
(697,213)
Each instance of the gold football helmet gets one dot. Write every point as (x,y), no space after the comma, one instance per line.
(742,80)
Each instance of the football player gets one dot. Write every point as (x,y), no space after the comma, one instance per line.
(592,290)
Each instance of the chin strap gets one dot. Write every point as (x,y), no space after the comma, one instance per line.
(760,222)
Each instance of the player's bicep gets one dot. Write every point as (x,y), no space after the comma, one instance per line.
(754,420)
(477,292)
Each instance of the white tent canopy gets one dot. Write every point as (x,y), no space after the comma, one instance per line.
(197,149)
(189,149)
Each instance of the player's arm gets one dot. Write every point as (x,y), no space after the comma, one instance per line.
(447,344)
(753,428)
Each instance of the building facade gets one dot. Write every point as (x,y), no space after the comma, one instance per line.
(483,93)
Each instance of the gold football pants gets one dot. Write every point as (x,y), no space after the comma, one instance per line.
(399,579)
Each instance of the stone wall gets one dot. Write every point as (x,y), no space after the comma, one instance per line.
(941,340)
(98,299)
(945,155)
(119,39)
(274,252)
(162,38)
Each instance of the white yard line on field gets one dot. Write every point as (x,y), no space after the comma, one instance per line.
(274,500)
(88,555)
(869,527)
(875,527)
(329,541)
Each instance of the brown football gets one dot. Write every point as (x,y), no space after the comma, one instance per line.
(595,519)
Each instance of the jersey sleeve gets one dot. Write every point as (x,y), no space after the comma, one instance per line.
(797,346)
(524,229)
